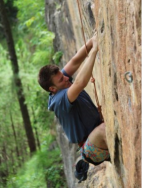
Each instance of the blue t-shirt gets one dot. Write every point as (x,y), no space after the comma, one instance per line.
(79,118)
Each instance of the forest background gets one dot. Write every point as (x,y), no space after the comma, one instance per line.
(28,156)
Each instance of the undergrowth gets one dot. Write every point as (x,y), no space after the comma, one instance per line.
(43,170)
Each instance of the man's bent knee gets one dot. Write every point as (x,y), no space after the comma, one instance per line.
(98,136)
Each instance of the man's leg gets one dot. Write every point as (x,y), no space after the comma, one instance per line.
(95,148)
(98,137)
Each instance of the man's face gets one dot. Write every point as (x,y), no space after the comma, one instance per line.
(60,81)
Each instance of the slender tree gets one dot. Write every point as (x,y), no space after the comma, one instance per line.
(5,158)
(15,138)
(37,138)
(12,161)
(17,80)
(3,173)
(35,128)
(22,147)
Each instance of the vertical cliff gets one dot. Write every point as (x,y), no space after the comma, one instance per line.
(118,79)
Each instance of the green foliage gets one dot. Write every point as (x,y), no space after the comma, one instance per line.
(43,168)
(42,56)
(34,48)
(38,40)
(58,6)
(57,57)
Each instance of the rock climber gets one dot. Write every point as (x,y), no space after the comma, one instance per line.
(73,107)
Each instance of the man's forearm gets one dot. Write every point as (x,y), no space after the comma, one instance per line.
(79,57)
(82,54)
(82,77)
(85,73)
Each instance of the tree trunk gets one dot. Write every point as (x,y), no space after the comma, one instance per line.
(35,127)
(5,159)
(22,148)
(13,167)
(3,172)
(17,80)
(15,137)
(37,138)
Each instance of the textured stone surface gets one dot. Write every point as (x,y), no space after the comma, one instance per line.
(69,156)
(59,21)
(119,32)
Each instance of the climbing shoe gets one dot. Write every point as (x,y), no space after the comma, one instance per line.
(81,170)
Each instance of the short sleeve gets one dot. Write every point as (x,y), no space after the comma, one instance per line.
(65,103)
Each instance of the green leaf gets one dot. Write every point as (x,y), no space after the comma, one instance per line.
(57,57)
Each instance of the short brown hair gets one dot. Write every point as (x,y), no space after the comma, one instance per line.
(45,76)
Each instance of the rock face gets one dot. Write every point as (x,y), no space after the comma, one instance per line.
(118,78)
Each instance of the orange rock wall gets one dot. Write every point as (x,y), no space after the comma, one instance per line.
(118,25)
(119,31)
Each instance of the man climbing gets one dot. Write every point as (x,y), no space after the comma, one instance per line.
(73,107)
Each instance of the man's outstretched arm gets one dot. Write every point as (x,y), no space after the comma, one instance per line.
(84,74)
(72,66)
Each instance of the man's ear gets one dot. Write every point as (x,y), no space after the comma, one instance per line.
(52,89)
